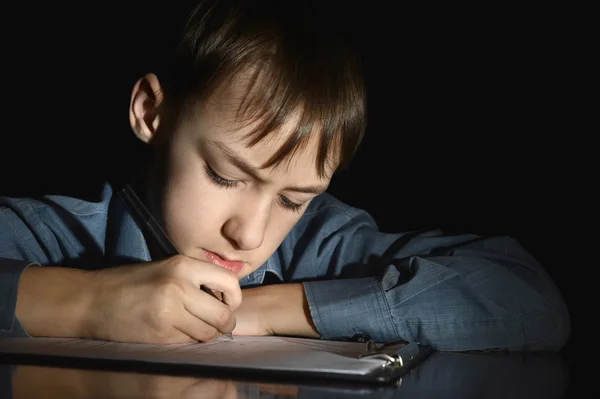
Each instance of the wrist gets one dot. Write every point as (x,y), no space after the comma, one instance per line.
(285,310)
(53,301)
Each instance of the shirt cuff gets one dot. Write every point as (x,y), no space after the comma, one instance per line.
(341,309)
(10,276)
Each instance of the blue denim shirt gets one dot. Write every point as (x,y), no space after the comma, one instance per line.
(453,292)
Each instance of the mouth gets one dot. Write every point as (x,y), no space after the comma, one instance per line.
(234,265)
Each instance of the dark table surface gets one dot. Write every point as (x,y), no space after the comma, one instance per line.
(440,375)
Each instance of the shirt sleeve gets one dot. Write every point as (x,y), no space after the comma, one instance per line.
(18,251)
(451,292)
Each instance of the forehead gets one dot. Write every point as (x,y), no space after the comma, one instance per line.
(230,138)
(222,121)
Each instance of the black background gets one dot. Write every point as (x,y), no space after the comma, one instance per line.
(472,125)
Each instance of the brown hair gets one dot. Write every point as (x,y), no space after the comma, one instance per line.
(303,58)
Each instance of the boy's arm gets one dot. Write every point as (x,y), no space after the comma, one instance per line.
(453,292)
(62,296)
(20,252)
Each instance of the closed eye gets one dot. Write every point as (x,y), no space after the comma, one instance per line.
(218,180)
(287,204)
(214,177)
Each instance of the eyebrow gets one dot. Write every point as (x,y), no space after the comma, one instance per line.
(253,171)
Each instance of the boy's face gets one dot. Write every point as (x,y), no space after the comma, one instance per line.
(215,201)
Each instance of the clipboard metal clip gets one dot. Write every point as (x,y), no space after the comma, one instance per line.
(381,352)
(395,360)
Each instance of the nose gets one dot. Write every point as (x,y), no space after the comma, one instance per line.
(245,228)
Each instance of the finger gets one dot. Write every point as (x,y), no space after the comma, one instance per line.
(196,328)
(216,278)
(175,336)
(208,309)
(233,299)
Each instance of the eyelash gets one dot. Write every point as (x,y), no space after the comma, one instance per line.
(287,204)
(218,180)
(221,182)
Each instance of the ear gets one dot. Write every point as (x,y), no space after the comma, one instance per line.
(143,108)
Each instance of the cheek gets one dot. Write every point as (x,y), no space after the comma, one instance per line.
(193,208)
(279,226)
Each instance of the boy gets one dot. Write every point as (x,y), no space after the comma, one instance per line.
(260,107)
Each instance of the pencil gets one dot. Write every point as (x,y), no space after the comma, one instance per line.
(158,234)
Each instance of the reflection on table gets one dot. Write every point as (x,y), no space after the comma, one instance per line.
(441,375)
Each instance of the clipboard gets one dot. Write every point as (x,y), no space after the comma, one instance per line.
(250,357)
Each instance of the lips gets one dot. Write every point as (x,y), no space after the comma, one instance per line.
(234,266)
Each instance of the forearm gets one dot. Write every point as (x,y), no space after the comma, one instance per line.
(282,309)
(52,301)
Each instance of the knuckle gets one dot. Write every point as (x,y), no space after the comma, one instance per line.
(223,317)
(162,308)
(167,287)
(161,311)
(207,334)
(177,263)
(234,285)
(214,334)
(158,321)
(235,303)
(235,300)
(233,281)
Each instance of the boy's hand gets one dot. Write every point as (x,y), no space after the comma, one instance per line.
(279,309)
(155,302)
(161,302)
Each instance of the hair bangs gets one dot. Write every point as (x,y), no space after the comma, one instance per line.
(304,69)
